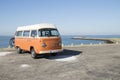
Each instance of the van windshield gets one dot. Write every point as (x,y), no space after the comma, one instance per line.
(48,32)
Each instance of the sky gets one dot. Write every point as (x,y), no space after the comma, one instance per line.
(72,17)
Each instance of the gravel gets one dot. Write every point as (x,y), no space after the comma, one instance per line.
(101,62)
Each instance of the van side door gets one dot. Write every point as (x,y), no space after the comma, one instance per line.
(26,40)
(34,40)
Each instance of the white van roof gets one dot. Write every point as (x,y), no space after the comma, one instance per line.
(36,26)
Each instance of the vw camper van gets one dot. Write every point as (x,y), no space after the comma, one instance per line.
(38,39)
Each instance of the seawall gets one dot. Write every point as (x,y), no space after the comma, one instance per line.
(106,40)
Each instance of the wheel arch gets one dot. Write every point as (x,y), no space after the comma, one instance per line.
(35,49)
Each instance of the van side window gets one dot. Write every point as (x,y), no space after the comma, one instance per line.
(33,33)
(39,33)
(19,33)
(26,33)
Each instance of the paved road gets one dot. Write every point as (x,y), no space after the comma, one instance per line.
(75,63)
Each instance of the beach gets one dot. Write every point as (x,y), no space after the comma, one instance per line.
(90,62)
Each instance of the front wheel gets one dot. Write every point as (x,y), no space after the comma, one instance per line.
(33,54)
(54,54)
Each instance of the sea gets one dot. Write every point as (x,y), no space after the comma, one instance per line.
(66,39)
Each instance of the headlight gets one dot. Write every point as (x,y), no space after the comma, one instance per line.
(44,45)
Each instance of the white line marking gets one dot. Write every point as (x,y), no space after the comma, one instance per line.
(4,53)
(25,66)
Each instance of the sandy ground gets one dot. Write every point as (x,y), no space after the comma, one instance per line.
(75,63)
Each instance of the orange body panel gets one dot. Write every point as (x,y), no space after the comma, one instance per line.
(40,44)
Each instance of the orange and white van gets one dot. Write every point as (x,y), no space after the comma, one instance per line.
(38,39)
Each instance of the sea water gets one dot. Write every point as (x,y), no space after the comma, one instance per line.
(4,41)
(66,39)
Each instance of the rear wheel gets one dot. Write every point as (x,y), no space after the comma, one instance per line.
(11,42)
(33,54)
(19,50)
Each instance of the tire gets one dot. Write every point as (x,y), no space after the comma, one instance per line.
(33,54)
(19,50)
(54,54)
(11,42)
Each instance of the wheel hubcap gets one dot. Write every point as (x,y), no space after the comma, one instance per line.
(32,53)
(18,49)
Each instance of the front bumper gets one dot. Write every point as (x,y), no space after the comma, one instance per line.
(51,51)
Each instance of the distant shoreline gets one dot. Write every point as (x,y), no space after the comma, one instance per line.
(81,45)
(82,35)
(67,41)
(107,40)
